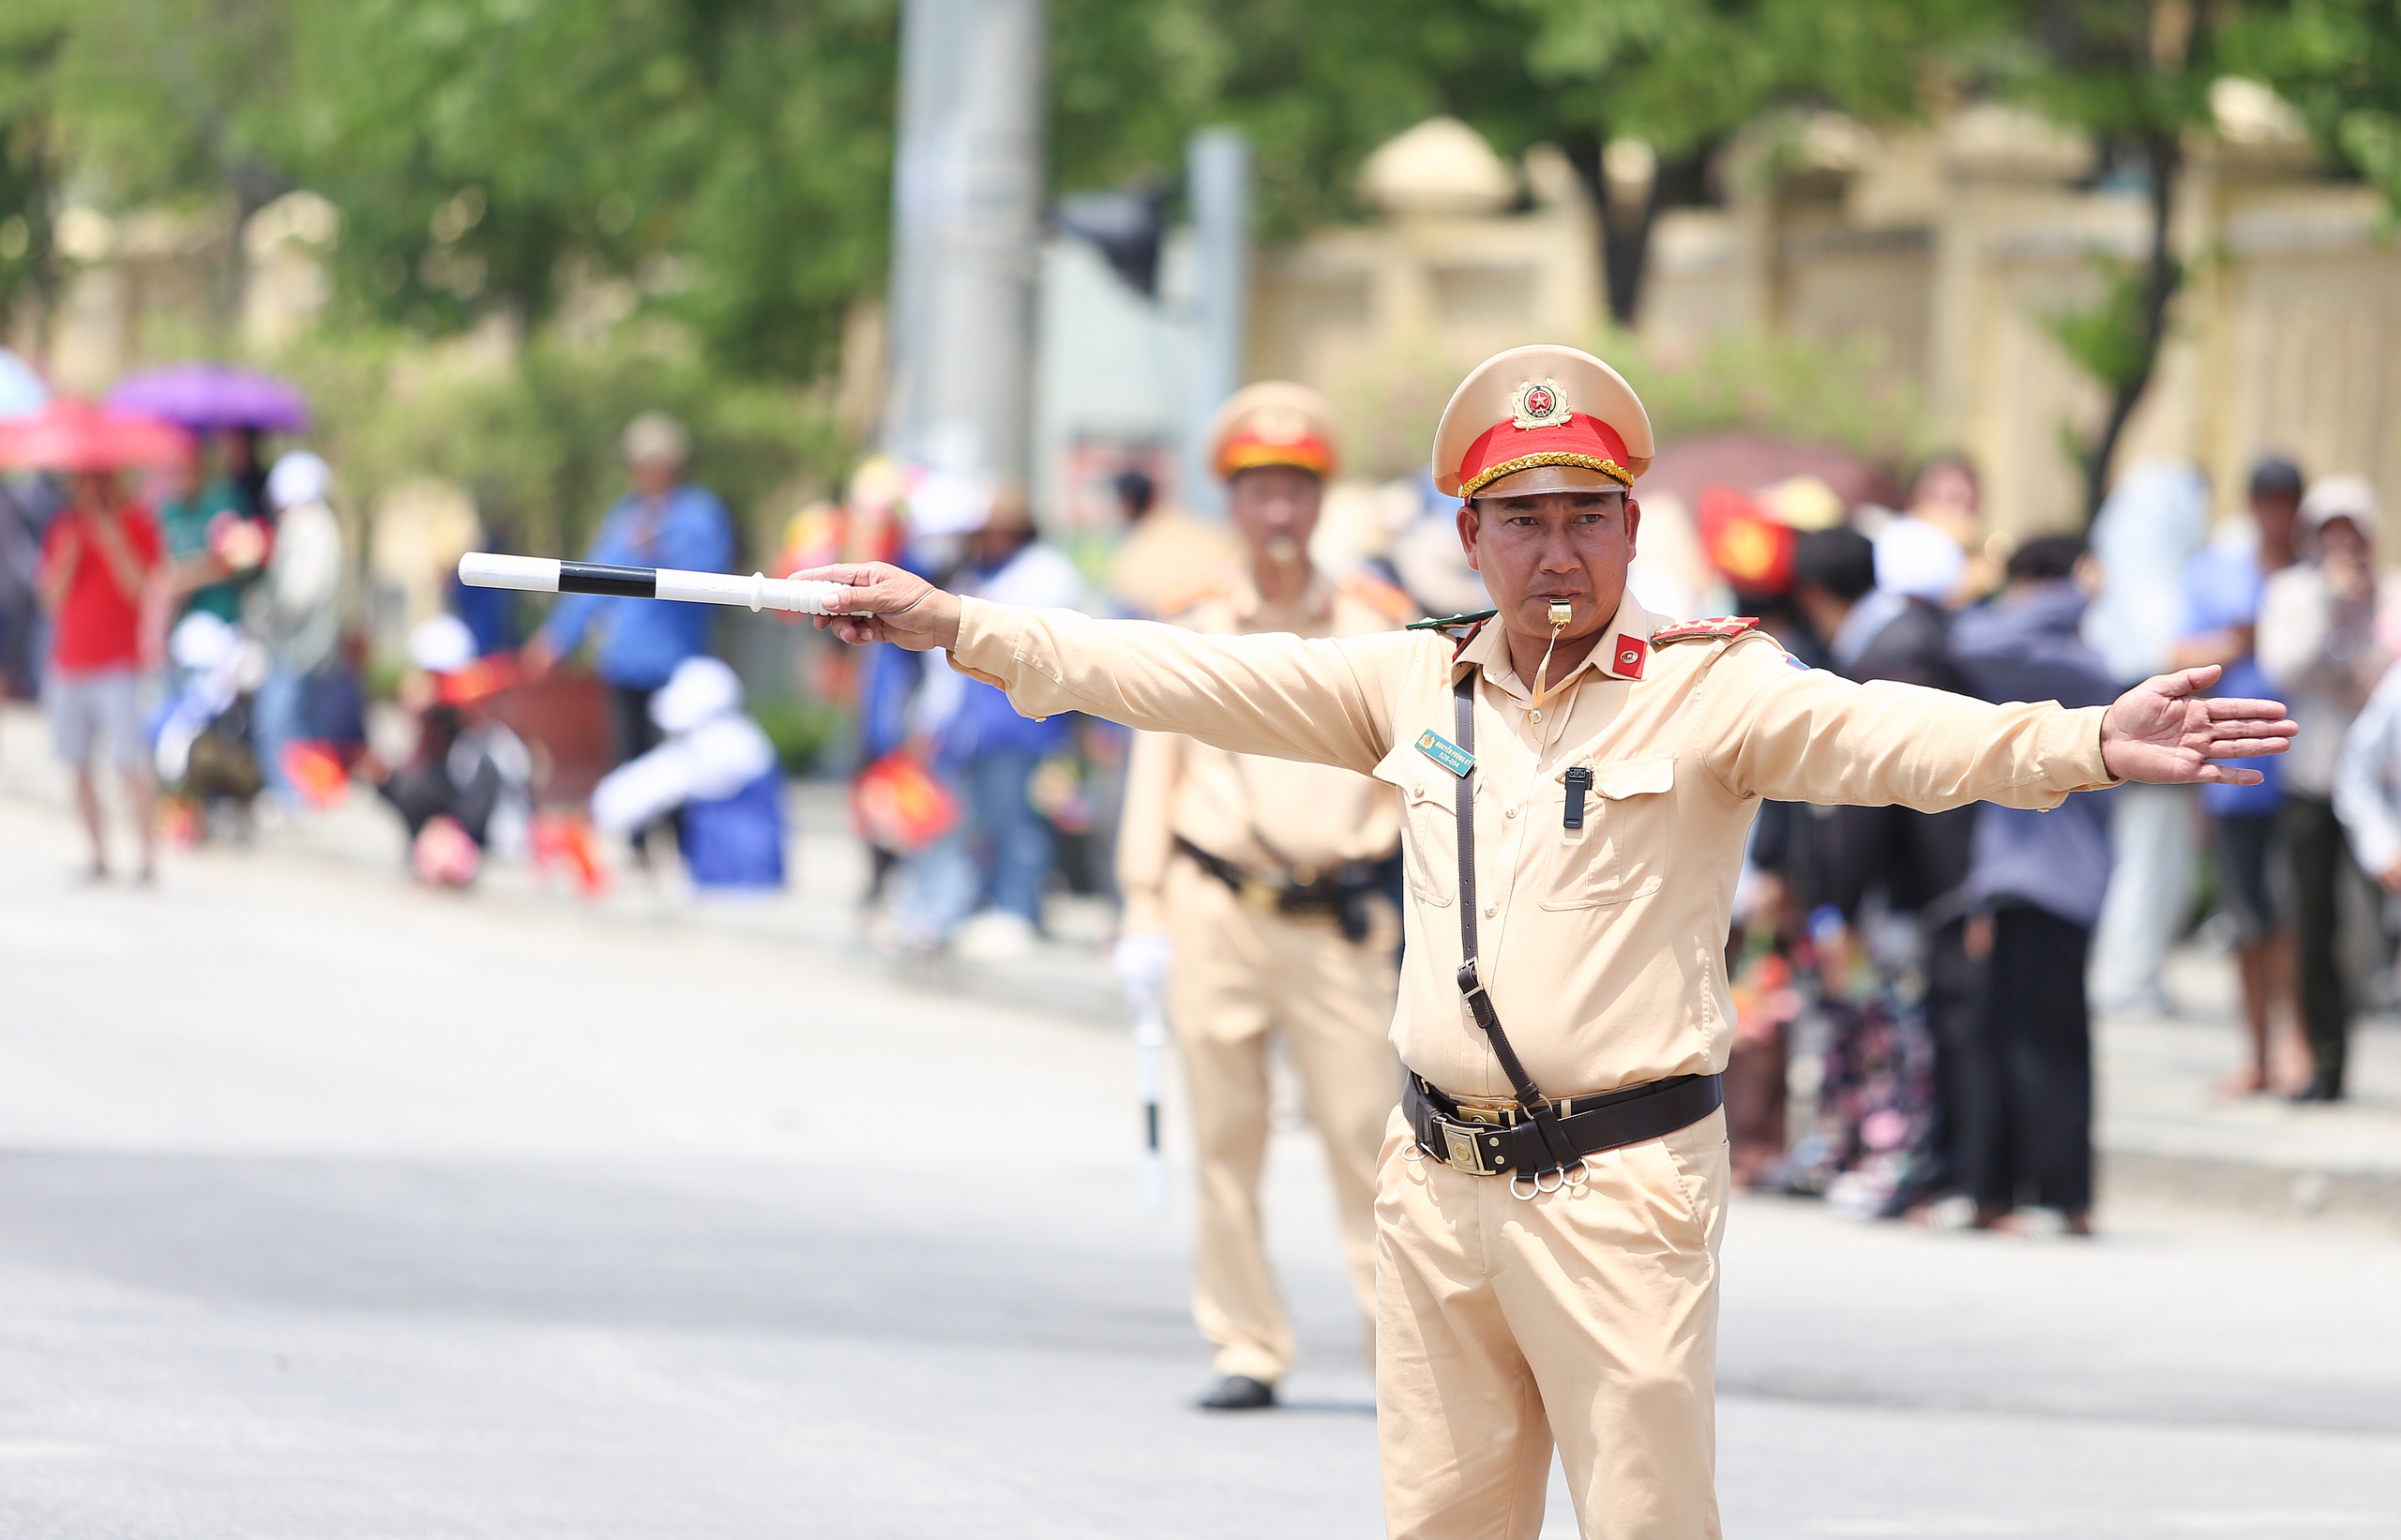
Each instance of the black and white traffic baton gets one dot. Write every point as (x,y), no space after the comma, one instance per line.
(1150,1080)
(547,575)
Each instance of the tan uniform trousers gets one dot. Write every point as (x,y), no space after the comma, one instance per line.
(1239,976)
(1588,1316)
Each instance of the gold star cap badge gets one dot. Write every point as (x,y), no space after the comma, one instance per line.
(1539,403)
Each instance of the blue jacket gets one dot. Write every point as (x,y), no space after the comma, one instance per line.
(2025,646)
(737,840)
(642,639)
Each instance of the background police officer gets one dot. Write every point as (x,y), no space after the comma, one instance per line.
(1253,893)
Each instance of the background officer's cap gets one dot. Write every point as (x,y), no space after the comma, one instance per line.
(1541,419)
(1273,423)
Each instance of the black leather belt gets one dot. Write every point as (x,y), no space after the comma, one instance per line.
(1490,1141)
(1343,892)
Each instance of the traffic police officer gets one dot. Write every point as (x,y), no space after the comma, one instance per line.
(1578,778)
(1253,891)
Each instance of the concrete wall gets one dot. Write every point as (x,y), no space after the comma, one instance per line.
(1952,249)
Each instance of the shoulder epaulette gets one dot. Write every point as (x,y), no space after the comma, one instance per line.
(1720,629)
(1192,596)
(1460,629)
(1443,623)
(1386,599)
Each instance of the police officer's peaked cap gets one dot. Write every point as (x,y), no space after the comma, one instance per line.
(1541,419)
(1273,422)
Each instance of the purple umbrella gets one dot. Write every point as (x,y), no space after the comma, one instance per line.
(209,397)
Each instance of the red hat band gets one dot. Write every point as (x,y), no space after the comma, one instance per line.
(1249,451)
(1506,448)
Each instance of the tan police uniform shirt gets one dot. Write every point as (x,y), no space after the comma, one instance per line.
(1604,947)
(1280,819)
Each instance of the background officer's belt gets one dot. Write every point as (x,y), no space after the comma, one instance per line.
(1342,892)
(1487,1142)
(1543,1142)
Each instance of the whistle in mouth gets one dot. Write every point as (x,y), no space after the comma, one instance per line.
(1561,614)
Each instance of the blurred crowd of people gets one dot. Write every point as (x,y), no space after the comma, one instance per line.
(1914,991)
(187,614)
(194,645)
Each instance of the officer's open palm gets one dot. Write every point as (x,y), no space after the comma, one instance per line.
(894,606)
(2164,730)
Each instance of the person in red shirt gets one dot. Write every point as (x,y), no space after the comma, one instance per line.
(97,559)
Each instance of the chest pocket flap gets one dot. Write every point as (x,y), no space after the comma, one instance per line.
(1634,778)
(1620,853)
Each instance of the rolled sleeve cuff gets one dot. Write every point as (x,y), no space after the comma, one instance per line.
(989,639)
(1007,647)
(988,643)
(2071,754)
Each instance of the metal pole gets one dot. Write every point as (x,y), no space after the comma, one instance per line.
(1217,173)
(966,217)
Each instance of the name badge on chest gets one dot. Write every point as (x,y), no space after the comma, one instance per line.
(1450,756)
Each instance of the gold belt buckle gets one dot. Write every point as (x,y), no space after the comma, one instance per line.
(1465,1154)
(1259,897)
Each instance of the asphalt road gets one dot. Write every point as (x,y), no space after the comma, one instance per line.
(333,1210)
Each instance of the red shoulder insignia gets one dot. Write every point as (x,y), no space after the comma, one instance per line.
(1192,596)
(1720,629)
(1384,598)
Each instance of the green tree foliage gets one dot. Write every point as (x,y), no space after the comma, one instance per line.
(1315,85)
(729,158)
(1319,85)
(2339,63)
(1684,75)
(30,157)
(2135,75)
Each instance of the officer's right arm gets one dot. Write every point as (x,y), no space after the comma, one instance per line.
(1327,701)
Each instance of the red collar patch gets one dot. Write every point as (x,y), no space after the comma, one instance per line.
(1626,662)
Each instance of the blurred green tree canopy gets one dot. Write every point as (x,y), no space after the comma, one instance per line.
(729,158)
(2339,63)
(727,163)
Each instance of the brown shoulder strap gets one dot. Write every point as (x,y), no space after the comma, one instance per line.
(1479,1003)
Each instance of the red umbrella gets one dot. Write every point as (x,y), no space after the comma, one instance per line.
(1749,462)
(74,435)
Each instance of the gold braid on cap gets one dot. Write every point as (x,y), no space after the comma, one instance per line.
(1491,473)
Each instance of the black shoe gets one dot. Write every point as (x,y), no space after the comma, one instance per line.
(1239,1393)
(2319,1091)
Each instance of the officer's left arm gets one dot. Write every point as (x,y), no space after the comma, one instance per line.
(1766,728)
(1770,728)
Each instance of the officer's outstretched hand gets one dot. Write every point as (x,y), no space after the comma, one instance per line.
(899,607)
(2164,730)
